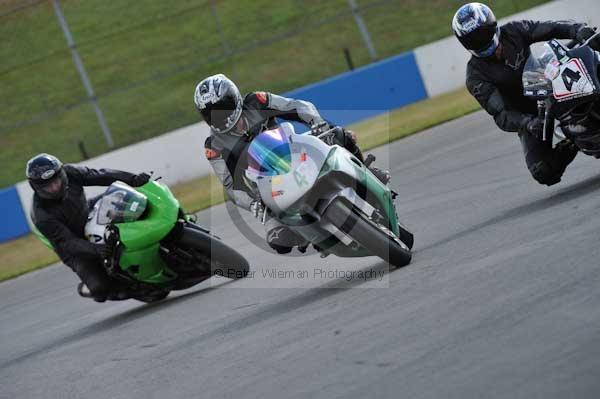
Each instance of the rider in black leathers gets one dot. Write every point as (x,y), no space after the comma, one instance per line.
(494,79)
(60,210)
(234,121)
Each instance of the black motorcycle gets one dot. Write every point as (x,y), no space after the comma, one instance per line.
(565,81)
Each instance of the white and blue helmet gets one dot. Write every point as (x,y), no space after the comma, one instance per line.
(475,26)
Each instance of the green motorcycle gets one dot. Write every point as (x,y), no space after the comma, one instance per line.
(156,247)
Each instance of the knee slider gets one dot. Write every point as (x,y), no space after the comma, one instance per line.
(280,249)
(98,291)
(544,174)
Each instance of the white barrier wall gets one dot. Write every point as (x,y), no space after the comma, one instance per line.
(443,63)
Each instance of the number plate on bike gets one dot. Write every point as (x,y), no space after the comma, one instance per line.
(573,81)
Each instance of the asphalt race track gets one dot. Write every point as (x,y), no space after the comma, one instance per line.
(502,300)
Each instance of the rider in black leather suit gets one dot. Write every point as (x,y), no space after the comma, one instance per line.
(60,210)
(494,79)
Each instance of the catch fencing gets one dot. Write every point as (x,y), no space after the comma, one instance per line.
(363,92)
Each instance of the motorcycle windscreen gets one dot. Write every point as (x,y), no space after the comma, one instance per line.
(269,154)
(541,68)
(121,203)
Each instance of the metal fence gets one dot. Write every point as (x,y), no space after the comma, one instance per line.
(227,51)
(143,59)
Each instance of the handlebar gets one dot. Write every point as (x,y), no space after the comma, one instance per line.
(572,43)
(575,43)
(326,133)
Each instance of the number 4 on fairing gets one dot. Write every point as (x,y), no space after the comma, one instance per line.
(569,77)
(573,81)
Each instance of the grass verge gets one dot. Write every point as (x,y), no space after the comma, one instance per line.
(28,253)
(144,59)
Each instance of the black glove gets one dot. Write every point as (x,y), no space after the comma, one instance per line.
(140,180)
(318,128)
(535,127)
(104,251)
(584,33)
(340,135)
(350,134)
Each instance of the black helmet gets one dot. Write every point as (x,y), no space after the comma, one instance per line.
(219,102)
(475,26)
(47,177)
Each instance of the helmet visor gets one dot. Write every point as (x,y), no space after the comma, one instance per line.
(482,42)
(223,115)
(53,188)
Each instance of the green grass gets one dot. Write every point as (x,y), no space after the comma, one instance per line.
(23,255)
(144,58)
(27,253)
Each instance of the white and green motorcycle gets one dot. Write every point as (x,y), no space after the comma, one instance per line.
(326,195)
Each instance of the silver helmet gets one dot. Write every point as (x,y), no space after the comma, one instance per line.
(220,103)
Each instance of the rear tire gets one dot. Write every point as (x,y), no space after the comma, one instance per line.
(224,260)
(364,231)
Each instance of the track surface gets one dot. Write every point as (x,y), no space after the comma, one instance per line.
(502,300)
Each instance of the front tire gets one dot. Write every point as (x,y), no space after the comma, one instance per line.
(379,242)
(224,260)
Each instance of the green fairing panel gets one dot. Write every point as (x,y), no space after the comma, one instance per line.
(372,183)
(160,218)
(145,265)
(384,194)
(141,238)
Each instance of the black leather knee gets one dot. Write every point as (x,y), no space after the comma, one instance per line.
(544,173)
(94,277)
(281,239)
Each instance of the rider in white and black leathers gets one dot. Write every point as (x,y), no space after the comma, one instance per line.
(235,121)
(494,79)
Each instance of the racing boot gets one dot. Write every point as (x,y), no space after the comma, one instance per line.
(85,292)
(119,292)
(302,245)
(119,295)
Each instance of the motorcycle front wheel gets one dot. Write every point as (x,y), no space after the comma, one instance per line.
(224,260)
(379,240)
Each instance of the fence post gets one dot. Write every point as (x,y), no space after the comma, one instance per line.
(84,78)
(362,27)
(348,58)
(226,47)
